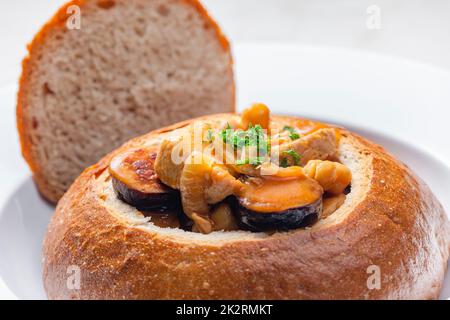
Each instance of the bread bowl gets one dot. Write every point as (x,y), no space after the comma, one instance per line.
(125,71)
(383,217)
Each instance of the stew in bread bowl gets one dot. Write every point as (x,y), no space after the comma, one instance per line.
(250,206)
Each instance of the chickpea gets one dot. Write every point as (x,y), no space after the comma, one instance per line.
(258,113)
(334,177)
(224,219)
(201,224)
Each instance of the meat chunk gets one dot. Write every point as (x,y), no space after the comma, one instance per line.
(173,153)
(203,183)
(169,171)
(334,177)
(320,145)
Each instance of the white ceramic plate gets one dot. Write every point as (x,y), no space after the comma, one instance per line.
(372,95)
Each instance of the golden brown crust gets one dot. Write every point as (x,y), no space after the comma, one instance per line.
(24,124)
(399,226)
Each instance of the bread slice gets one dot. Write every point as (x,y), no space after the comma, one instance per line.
(133,66)
(390,222)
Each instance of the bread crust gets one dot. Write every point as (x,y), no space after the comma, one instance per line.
(24,124)
(398,226)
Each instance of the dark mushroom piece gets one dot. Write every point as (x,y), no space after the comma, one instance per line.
(279,204)
(284,220)
(136,182)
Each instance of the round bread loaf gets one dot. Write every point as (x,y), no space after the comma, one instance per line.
(391,226)
(101,72)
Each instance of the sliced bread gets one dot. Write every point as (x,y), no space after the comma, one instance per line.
(103,71)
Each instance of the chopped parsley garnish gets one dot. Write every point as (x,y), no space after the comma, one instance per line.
(284,163)
(242,140)
(209,135)
(254,137)
(296,157)
(253,161)
(227,134)
(293,134)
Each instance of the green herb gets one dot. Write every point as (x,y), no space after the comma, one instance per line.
(227,134)
(253,137)
(293,134)
(296,157)
(284,163)
(253,161)
(209,135)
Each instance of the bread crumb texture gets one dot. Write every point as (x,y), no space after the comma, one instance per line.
(133,66)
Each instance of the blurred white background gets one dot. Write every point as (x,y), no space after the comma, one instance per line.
(409,30)
(414,29)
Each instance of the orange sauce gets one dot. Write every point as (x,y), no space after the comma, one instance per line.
(169,220)
(268,195)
